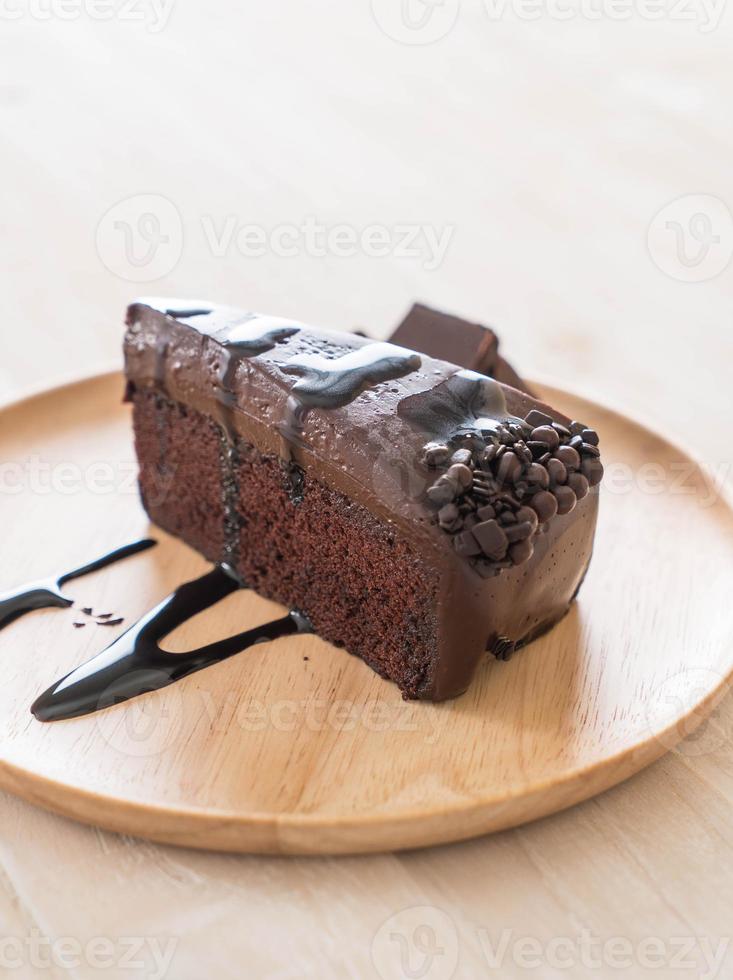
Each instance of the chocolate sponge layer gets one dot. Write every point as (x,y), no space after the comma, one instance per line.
(179,454)
(361,585)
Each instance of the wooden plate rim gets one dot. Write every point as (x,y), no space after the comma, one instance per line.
(205,821)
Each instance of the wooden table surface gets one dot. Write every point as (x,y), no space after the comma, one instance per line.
(561,172)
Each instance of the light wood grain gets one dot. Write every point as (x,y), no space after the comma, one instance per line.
(549,145)
(296,747)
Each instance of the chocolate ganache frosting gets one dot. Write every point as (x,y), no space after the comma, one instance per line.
(350,387)
(464,469)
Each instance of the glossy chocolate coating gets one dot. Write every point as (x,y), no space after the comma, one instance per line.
(135,664)
(46,594)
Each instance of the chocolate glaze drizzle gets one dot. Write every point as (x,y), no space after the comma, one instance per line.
(466,400)
(324,382)
(334,382)
(178,309)
(135,664)
(251,336)
(184,314)
(257,334)
(46,593)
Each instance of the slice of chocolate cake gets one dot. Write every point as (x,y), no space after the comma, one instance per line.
(417,513)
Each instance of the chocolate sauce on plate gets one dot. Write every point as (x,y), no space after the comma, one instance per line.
(135,663)
(46,593)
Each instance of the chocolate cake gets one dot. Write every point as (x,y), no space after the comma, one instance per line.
(417,513)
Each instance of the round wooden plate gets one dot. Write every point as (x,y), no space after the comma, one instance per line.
(297,747)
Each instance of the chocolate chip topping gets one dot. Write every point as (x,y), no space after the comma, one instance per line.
(503,480)
(492,539)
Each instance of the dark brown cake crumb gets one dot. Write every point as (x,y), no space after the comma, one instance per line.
(292,551)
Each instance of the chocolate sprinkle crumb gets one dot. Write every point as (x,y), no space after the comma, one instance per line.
(111,622)
(503,648)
